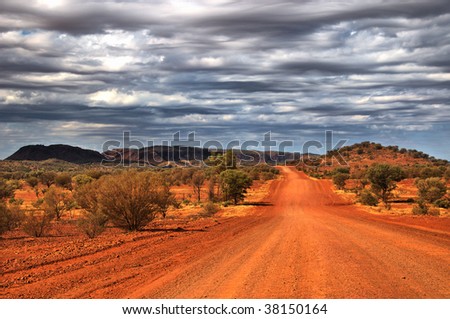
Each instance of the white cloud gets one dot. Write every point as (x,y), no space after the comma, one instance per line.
(207,62)
(114,97)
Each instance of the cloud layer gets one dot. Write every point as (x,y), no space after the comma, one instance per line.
(83,72)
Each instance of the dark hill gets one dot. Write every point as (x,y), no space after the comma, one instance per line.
(66,153)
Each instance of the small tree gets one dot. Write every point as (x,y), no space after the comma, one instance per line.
(431,189)
(48,178)
(36,224)
(7,189)
(32,181)
(81,179)
(198,178)
(56,202)
(339,180)
(235,184)
(64,180)
(211,188)
(383,179)
(10,217)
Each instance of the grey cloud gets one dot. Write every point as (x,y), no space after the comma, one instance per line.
(233,70)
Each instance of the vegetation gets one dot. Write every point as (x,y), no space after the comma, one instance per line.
(10,217)
(383,179)
(422,208)
(235,184)
(339,179)
(64,180)
(37,224)
(210,209)
(93,223)
(198,178)
(56,202)
(431,189)
(366,197)
(6,189)
(129,199)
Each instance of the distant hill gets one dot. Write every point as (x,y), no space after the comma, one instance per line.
(66,153)
(168,155)
(358,157)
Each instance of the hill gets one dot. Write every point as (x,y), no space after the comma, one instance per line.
(178,155)
(66,153)
(358,157)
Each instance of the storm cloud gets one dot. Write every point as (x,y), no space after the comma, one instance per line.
(83,72)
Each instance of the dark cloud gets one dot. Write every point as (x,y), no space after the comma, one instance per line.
(369,70)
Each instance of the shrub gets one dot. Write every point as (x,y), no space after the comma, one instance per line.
(447,174)
(56,202)
(342,170)
(383,178)
(235,184)
(130,200)
(442,203)
(10,217)
(197,180)
(93,224)
(81,179)
(36,224)
(431,189)
(428,172)
(32,181)
(210,208)
(64,180)
(367,198)
(420,209)
(6,189)
(339,180)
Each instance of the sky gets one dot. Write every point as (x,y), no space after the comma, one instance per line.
(83,72)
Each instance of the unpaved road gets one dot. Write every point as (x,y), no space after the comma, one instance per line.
(305,243)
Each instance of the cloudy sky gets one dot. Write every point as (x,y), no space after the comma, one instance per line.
(82,72)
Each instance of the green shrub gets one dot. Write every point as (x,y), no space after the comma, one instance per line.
(420,209)
(431,189)
(367,198)
(442,203)
(339,180)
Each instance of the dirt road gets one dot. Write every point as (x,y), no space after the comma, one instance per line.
(305,242)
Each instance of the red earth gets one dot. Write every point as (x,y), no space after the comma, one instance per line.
(301,241)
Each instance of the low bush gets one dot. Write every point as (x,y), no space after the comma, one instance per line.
(210,209)
(37,224)
(367,198)
(442,203)
(93,224)
(10,217)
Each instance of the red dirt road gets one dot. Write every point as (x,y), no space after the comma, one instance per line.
(305,243)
